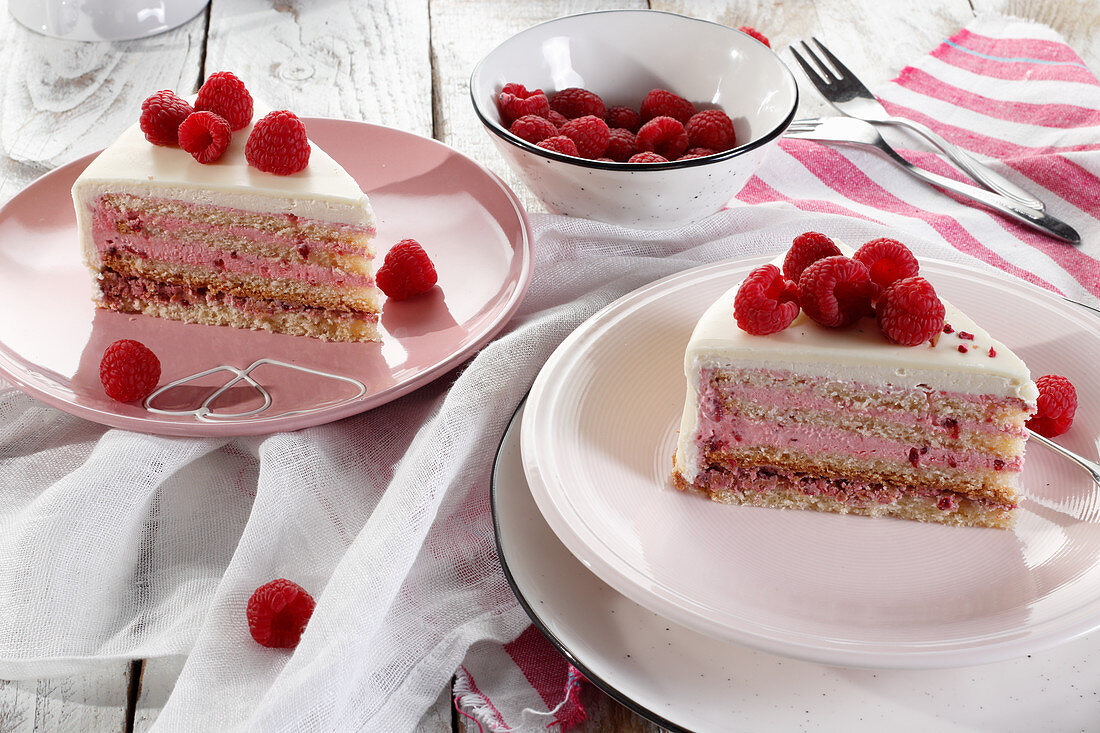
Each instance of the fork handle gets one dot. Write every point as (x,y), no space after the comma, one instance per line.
(1034,218)
(977,170)
(1091,467)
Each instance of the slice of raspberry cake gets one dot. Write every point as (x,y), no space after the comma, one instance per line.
(284,248)
(783,411)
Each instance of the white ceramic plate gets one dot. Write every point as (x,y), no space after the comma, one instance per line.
(681,679)
(598,438)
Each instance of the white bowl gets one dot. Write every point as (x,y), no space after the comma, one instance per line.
(621,55)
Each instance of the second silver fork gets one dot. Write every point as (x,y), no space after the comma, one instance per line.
(850,131)
(842,89)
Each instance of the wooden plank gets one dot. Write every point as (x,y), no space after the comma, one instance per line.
(874,39)
(155,682)
(782,23)
(439,718)
(94,702)
(64,99)
(463,32)
(158,677)
(352,60)
(1076,20)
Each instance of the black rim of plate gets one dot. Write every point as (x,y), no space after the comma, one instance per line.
(605,686)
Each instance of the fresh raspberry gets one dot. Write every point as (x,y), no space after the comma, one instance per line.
(533,129)
(557,118)
(590,133)
(887,260)
(749,30)
(835,291)
(559,144)
(663,103)
(621,144)
(406,271)
(664,136)
(225,95)
(806,249)
(278,144)
(690,156)
(278,613)
(575,102)
(766,302)
(515,101)
(205,135)
(161,116)
(647,157)
(700,151)
(129,371)
(1057,404)
(711,128)
(625,117)
(909,312)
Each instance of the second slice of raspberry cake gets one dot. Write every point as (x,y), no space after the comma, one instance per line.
(844,418)
(257,239)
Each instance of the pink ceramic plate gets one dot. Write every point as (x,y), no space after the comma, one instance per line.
(598,436)
(472,225)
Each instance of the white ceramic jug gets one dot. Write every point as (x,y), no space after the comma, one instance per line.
(103,20)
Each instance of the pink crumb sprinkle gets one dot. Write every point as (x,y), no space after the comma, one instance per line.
(992,352)
(962,349)
(966,336)
(947,328)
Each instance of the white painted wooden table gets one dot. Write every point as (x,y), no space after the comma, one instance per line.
(398,63)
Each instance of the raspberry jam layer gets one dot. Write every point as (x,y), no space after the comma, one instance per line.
(764,480)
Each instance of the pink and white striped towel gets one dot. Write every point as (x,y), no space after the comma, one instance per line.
(1010,91)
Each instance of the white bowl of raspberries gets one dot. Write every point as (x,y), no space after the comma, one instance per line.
(640,118)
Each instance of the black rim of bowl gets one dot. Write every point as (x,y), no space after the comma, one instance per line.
(495,127)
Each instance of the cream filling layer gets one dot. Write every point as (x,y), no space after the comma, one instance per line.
(738,433)
(169,250)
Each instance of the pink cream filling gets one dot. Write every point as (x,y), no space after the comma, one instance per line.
(950,427)
(706,375)
(290,219)
(733,431)
(107,238)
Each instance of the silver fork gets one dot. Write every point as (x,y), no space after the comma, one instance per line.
(851,131)
(1091,467)
(843,90)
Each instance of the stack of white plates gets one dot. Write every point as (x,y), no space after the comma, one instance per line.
(701,616)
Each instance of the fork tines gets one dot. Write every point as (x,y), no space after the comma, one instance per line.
(830,73)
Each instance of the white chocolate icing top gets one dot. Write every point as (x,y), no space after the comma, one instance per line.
(323,190)
(856,354)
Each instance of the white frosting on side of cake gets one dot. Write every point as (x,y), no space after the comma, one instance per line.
(858,354)
(323,190)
